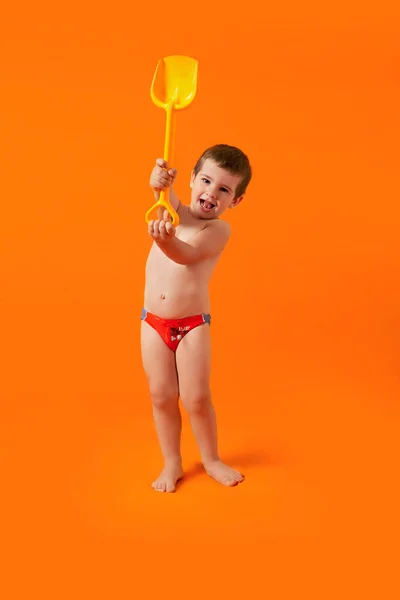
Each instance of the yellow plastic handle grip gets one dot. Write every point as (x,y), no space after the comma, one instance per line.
(164,202)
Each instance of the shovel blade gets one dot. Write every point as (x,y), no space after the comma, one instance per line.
(174,82)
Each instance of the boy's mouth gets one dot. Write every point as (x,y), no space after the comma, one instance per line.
(206,206)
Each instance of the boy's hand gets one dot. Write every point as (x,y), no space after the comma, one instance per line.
(161,177)
(162,231)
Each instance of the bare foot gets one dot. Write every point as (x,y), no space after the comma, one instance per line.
(223,474)
(166,482)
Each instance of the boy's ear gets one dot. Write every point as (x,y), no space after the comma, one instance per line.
(236,201)
(192,178)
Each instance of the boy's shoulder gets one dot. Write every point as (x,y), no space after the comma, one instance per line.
(211,239)
(219,226)
(220,231)
(213,226)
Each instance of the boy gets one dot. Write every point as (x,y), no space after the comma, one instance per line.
(175,329)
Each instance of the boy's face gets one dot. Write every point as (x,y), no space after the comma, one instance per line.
(213,191)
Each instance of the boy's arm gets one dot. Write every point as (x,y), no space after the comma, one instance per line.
(174,200)
(209,242)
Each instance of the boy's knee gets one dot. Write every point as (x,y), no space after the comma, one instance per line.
(197,402)
(161,398)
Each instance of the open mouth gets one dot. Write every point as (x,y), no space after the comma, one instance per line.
(206,206)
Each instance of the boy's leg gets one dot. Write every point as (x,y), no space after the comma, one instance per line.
(193,360)
(160,368)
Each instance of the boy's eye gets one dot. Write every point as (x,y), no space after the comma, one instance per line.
(224,189)
(206,180)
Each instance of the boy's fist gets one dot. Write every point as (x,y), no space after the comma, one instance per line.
(161,177)
(162,230)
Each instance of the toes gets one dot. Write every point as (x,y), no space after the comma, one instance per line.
(162,485)
(229,481)
(159,486)
(237,476)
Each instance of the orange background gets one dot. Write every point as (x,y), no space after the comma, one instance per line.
(305,303)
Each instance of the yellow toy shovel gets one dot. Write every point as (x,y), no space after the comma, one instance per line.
(173,88)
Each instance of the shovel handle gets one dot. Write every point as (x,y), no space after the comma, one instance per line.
(169,131)
(163,200)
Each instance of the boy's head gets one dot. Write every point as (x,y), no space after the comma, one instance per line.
(219,180)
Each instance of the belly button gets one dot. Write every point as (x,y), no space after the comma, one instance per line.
(163,296)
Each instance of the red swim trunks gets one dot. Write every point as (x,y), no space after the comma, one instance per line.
(173,330)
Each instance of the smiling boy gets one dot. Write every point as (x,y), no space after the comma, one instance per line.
(175,331)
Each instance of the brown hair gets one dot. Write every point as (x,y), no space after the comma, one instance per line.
(230,158)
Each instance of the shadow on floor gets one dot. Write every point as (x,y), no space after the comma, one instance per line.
(239,461)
